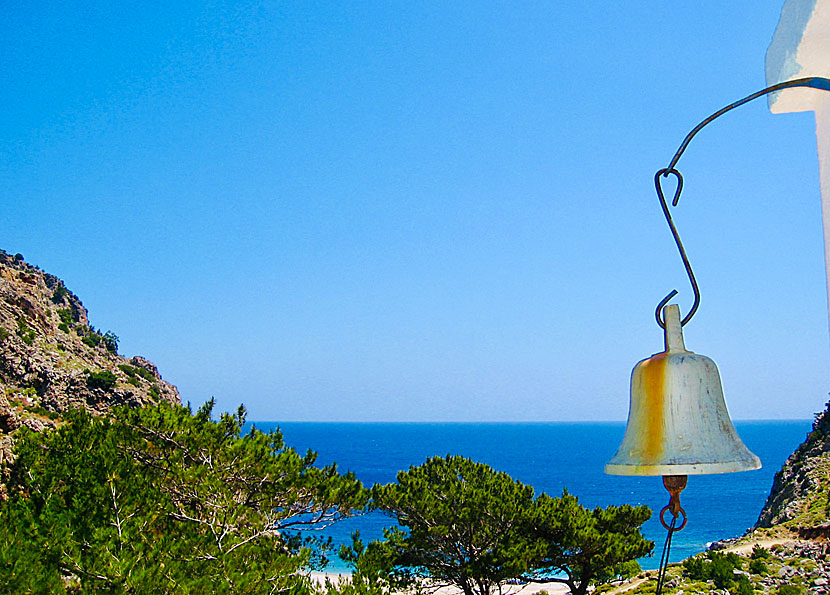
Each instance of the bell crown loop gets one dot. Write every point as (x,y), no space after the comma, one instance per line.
(673,330)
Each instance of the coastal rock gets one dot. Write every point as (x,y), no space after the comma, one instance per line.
(52,359)
(798,495)
(722,544)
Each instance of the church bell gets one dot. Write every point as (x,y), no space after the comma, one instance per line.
(677,421)
(678,424)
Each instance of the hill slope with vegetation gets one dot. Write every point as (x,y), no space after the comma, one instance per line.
(799,499)
(52,360)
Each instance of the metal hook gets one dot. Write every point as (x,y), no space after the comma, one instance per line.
(815,82)
(665,173)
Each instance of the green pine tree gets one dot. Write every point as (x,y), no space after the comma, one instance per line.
(162,500)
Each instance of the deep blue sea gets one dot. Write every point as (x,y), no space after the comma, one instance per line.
(551,457)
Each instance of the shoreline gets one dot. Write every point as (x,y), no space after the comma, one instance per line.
(527,589)
(742,546)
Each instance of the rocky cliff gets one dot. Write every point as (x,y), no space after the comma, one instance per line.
(52,359)
(799,497)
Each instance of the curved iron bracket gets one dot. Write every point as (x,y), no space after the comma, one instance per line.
(815,82)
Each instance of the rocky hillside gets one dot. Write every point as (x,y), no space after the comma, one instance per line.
(799,497)
(52,359)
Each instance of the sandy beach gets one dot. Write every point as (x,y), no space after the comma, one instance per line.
(528,589)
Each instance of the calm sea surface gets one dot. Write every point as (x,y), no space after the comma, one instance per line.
(552,457)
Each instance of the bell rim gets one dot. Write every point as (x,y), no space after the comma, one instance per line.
(684,468)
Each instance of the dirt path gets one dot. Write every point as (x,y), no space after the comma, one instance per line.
(633,584)
(746,548)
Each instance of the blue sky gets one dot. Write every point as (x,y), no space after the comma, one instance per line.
(416,211)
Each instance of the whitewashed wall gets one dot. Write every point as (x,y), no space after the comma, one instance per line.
(800,47)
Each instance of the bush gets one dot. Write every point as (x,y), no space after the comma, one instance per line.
(696,568)
(792,590)
(90,336)
(92,339)
(25,332)
(627,570)
(134,371)
(759,552)
(757,566)
(110,341)
(716,567)
(742,586)
(59,295)
(145,374)
(44,412)
(104,379)
(720,571)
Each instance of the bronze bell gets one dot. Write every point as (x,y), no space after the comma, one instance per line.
(677,421)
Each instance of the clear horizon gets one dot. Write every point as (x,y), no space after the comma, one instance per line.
(513,422)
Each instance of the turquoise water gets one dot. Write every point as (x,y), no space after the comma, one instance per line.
(552,457)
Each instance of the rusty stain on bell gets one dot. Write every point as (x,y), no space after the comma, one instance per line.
(652,375)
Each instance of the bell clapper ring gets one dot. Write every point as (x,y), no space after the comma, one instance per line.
(674,484)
